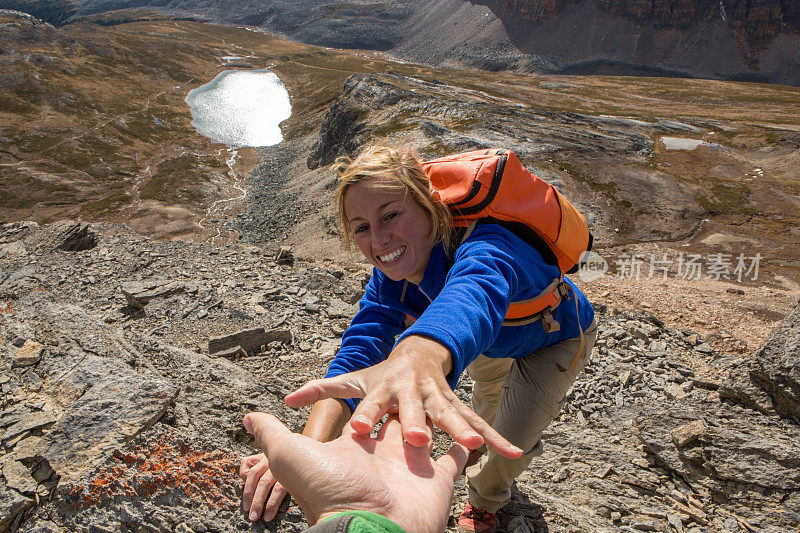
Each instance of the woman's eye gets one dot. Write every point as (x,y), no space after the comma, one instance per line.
(391,215)
(361,229)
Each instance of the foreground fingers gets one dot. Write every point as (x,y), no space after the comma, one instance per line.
(273,504)
(414,421)
(248,463)
(445,415)
(370,411)
(453,462)
(252,484)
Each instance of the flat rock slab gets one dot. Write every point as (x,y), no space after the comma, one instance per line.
(138,293)
(248,340)
(18,477)
(113,410)
(28,424)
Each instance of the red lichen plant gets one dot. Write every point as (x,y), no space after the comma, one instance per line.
(159,466)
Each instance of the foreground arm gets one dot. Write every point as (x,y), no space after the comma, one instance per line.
(262,495)
(358,473)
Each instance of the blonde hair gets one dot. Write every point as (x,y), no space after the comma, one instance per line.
(392,168)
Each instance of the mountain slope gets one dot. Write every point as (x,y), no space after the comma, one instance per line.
(749,40)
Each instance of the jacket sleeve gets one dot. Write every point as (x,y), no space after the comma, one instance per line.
(371,334)
(486,276)
(356,522)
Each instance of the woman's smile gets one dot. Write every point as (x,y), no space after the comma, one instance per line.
(392,257)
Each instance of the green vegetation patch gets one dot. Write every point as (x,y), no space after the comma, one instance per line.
(111,203)
(176,180)
(726,199)
(607,189)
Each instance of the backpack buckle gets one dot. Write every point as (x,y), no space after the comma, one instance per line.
(549,324)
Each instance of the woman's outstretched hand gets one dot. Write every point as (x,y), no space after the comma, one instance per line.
(356,472)
(411,382)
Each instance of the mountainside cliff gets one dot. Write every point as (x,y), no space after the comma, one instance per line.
(759,21)
(732,39)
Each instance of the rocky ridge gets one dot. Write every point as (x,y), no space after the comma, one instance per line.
(115,416)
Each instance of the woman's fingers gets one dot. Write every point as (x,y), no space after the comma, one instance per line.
(274,503)
(370,411)
(344,386)
(414,420)
(445,415)
(490,436)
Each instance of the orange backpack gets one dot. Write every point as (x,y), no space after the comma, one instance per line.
(493,186)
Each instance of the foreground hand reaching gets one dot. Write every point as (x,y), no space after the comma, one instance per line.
(411,382)
(262,495)
(356,472)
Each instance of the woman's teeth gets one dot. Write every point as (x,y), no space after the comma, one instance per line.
(392,256)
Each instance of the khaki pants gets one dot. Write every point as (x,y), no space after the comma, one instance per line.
(519,398)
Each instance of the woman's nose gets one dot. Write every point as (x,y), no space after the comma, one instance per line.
(380,238)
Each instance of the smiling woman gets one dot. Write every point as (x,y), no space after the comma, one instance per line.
(458,298)
(241,108)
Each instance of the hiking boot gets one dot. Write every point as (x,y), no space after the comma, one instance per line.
(476,520)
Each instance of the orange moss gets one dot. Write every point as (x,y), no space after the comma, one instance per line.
(163,464)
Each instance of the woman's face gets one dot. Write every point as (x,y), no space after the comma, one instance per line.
(390,229)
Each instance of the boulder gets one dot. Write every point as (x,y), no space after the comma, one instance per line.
(737,446)
(119,406)
(777,367)
(67,235)
(769,381)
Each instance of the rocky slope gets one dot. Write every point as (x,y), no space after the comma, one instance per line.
(732,39)
(115,416)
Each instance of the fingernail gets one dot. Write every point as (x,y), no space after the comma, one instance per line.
(248,424)
(362,419)
(253,516)
(515,449)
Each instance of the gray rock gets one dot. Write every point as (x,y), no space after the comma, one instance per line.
(769,381)
(738,446)
(338,309)
(12,503)
(116,408)
(73,236)
(777,367)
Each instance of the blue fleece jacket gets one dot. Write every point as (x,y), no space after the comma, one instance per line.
(463,307)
